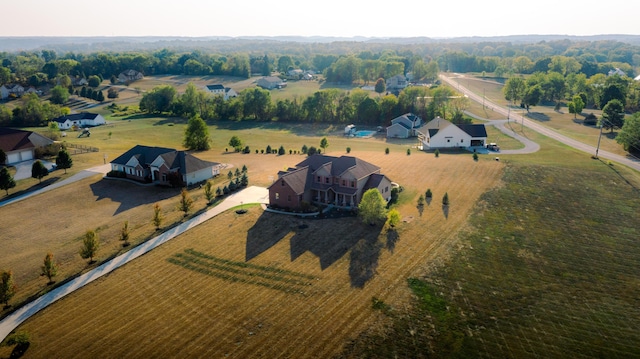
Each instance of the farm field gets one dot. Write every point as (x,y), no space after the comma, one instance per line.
(263,285)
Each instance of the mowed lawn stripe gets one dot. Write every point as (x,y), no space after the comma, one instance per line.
(235,275)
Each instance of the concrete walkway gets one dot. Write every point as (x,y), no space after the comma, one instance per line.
(103,169)
(249,195)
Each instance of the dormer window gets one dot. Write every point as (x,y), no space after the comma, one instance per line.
(282,183)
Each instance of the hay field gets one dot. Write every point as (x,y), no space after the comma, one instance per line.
(264,285)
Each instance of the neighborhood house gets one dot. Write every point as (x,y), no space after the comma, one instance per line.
(11,89)
(130,76)
(20,145)
(405,126)
(440,133)
(157,164)
(220,90)
(327,180)
(84,119)
(271,82)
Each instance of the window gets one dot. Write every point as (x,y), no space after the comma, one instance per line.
(164,177)
(386,189)
(319,179)
(282,183)
(353,184)
(344,183)
(277,195)
(289,198)
(326,180)
(462,140)
(448,140)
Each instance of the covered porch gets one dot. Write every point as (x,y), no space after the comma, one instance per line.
(335,198)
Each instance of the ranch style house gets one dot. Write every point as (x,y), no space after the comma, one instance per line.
(83,119)
(327,180)
(440,133)
(155,164)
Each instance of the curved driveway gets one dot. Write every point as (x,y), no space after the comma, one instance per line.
(248,195)
(626,160)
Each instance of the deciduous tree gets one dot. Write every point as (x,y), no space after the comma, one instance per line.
(380,86)
(324,143)
(196,135)
(90,245)
(124,233)
(613,115)
(157,216)
(49,267)
(208,191)
(393,218)
(629,135)
(7,287)
(236,143)
(576,105)
(372,208)
(59,95)
(185,203)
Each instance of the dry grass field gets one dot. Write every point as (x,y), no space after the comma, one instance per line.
(260,285)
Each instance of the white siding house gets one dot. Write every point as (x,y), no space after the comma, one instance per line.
(84,119)
(405,126)
(440,133)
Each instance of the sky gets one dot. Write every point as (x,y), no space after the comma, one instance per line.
(341,18)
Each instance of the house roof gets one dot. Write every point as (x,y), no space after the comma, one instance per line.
(13,140)
(144,154)
(76,117)
(296,179)
(272,79)
(477,130)
(215,87)
(184,162)
(339,165)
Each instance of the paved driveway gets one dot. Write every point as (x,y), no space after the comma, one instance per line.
(23,169)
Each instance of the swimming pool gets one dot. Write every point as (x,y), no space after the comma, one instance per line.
(363,133)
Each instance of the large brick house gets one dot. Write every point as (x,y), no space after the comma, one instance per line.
(327,180)
(154,164)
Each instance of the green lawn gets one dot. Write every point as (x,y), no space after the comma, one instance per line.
(548,270)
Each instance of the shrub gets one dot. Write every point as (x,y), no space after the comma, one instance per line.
(261,151)
(437,152)
(421,200)
(268,150)
(304,149)
(408,151)
(591,119)
(445,199)
(312,151)
(281,151)
(475,157)
(386,151)
(246,150)
(348,149)
(428,194)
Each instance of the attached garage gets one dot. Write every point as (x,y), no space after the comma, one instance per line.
(19,145)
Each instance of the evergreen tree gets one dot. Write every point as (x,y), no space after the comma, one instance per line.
(64,160)
(6,180)
(38,170)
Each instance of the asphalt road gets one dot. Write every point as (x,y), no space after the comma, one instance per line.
(625,160)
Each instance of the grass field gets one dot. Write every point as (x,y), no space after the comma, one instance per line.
(304,291)
(536,257)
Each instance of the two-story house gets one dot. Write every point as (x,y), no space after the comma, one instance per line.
(327,180)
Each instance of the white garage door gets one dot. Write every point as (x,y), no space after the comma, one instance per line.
(26,155)
(13,158)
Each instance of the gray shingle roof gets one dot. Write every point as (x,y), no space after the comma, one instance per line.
(477,130)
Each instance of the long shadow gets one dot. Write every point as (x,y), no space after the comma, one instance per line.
(130,195)
(45,182)
(327,239)
(620,175)
(538,116)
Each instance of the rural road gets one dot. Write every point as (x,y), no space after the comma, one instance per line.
(625,160)
(251,194)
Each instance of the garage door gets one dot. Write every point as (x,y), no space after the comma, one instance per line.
(26,155)
(13,158)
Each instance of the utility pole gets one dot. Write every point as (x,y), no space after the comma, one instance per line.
(599,137)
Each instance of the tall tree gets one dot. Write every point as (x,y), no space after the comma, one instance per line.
(576,105)
(196,135)
(7,287)
(90,245)
(613,115)
(208,191)
(514,90)
(59,95)
(372,208)
(64,160)
(6,180)
(49,267)
(380,86)
(38,170)
(629,136)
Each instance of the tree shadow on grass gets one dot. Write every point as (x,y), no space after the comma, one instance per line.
(538,116)
(392,239)
(328,239)
(40,185)
(130,195)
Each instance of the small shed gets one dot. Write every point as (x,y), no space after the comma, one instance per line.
(349,129)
